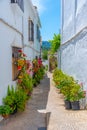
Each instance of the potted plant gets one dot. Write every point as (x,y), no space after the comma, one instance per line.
(76,94)
(10,99)
(66,86)
(5,110)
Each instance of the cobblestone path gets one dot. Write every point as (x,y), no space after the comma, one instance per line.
(60,118)
(46,108)
(34,117)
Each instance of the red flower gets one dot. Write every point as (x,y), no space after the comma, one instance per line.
(24,55)
(20,51)
(19,81)
(19,68)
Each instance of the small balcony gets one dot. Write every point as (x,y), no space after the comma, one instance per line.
(18,3)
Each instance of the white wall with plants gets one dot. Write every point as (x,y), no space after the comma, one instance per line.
(74,49)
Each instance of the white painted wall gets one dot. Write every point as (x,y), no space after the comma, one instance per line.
(81,15)
(8,37)
(74,51)
(67,19)
(11,17)
(33,15)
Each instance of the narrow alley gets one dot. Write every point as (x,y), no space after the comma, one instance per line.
(45,110)
(34,117)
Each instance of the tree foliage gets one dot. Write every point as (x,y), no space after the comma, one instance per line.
(55,43)
(45,54)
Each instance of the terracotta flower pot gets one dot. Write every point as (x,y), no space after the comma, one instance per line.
(5,116)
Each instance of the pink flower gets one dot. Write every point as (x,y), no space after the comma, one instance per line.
(81,84)
(84,93)
(28,72)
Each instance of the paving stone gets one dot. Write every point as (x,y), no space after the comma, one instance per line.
(34,116)
(60,118)
(46,109)
(42,128)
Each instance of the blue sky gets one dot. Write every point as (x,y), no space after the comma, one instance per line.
(49,11)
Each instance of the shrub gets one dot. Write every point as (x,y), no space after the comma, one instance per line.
(5,110)
(76,92)
(26,83)
(68,86)
(10,98)
(16,99)
(20,99)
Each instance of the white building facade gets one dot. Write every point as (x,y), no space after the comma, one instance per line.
(73,59)
(19,29)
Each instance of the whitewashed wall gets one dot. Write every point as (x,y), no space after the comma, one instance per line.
(74,40)
(67,19)
(12,25)
(8,37)
(30,13)
(74,58)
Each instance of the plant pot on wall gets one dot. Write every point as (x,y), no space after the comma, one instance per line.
(67,104)
(75,105)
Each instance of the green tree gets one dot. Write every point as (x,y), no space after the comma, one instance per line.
(45,54)
(55,43)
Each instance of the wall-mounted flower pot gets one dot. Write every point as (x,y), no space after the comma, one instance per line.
(68,104)
(75,105)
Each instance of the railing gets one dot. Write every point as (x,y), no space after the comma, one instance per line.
(20,3)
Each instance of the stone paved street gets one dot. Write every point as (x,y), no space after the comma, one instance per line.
(34,117)
(61,119)
(46,108)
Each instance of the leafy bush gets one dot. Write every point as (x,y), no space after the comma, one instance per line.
(26,83)
(5,110)
(20,99)
(68,86)
(10,98)
(46,67)
(45,54)
(16,99)
(76,92)
(38,75)
(55,43)
(58,77)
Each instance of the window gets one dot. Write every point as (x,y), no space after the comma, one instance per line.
(20,3)
(31,31)
(15,56)
(38,34)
